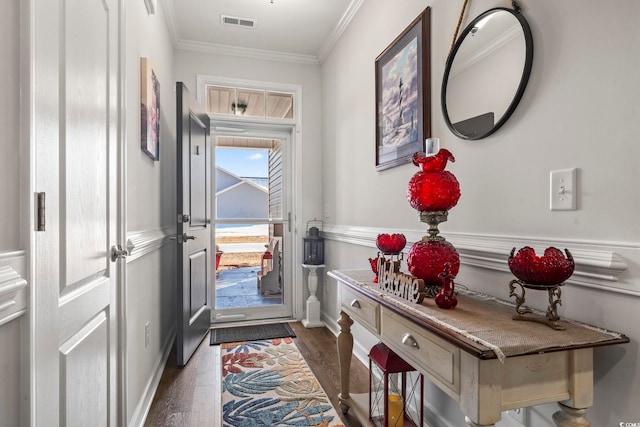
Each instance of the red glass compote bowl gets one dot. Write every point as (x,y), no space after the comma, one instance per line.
(388,244)
(547,272)
(391,244)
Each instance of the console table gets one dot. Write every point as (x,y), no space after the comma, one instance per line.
(475,353)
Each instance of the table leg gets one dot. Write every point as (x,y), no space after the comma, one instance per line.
(570,417)
(472,424)
(345,349)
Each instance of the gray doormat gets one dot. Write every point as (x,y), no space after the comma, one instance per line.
(251,333)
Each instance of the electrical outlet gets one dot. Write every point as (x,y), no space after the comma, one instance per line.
(146,334)
(519,415)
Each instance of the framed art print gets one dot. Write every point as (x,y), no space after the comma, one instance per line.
(403,95)
(149,110)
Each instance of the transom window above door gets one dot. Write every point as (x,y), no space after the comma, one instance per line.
(235,101)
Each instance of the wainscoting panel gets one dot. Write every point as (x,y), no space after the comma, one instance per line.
(606,266)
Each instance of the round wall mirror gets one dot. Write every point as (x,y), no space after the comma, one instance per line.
(486,73)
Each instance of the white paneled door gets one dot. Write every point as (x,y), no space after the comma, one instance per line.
(74,55)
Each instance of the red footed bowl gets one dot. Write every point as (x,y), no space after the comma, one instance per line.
(391,244)
(548,270)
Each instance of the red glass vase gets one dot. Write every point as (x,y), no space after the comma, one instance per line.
(446,298)
(427,259)
(433,188)
(374,267)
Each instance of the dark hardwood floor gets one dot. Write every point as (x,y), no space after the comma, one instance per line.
(186,396)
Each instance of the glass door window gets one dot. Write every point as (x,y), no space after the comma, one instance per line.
(251,230)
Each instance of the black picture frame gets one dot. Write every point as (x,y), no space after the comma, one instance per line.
(403,95)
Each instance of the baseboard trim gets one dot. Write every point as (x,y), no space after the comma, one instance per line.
(142,410)
(599,264)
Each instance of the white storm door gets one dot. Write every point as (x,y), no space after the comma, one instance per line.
(75,129)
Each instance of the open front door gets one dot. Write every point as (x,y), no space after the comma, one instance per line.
(194,223)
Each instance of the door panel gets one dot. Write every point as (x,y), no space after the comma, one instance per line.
(83,374)
(198,283)
(198,161)
(194,230)
(75,137)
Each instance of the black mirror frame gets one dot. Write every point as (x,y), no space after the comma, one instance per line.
(528,38)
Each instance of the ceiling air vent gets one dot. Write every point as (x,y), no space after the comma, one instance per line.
(239,22)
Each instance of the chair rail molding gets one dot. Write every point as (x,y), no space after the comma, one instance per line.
(141,243)
(13,285)
(599,264)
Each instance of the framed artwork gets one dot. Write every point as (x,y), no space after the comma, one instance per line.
(403,95)
(149,110)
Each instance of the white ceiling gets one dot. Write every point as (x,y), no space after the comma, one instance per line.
(288,30)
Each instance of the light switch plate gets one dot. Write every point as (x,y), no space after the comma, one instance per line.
(562,191)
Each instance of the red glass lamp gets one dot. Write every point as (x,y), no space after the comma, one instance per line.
(395,390)
(432,191)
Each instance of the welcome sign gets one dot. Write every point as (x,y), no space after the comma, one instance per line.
(393,281)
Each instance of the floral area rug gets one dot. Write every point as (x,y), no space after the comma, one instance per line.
(268,383)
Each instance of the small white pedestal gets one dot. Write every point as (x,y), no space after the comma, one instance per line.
(313,303)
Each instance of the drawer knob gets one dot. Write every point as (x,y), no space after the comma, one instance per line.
(408,339)
(355,303)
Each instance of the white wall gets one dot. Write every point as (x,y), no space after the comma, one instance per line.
(13,323)
(9,122)
(151,209)
(580,110)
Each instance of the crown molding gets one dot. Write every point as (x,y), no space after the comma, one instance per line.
(170,18)
(599,264)
(243,52)
(218,49)
(339,29)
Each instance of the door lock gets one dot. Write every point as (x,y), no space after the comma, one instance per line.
(184,218)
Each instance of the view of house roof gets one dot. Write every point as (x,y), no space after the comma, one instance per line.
(240,181)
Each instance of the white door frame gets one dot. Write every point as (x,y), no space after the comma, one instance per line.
(295,128)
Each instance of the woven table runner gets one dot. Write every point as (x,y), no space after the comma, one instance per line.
(488,321)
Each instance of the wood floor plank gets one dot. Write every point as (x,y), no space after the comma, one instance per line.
(191,396)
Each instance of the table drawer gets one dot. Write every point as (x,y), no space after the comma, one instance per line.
(436,358)
(361,309)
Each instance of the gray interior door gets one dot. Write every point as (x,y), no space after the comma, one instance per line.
(194,223)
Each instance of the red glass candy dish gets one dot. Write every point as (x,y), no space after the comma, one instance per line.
(391,244)
(551,269)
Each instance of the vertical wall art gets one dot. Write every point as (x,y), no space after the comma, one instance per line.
(149,110)
(403,95)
